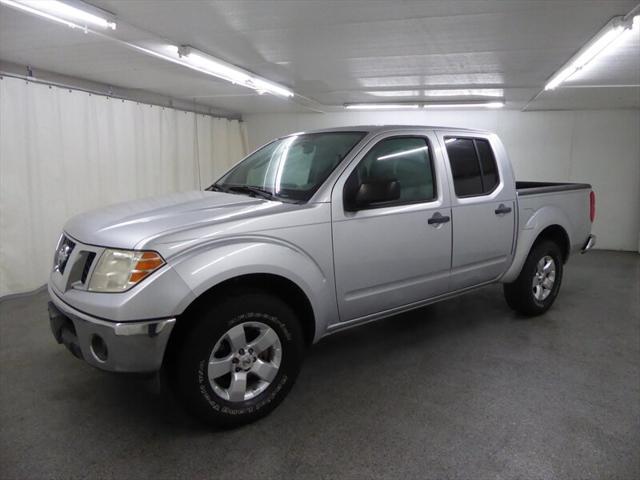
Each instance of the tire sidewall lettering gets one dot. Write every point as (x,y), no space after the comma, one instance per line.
(272,391)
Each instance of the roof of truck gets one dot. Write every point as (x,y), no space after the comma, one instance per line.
(389,128)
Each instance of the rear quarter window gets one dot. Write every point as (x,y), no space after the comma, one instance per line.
(490,178)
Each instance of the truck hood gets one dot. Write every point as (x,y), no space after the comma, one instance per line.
(127,225)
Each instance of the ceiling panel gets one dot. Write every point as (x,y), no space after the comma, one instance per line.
(342,52)
(595,98)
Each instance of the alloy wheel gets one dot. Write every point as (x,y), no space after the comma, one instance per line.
(544,278)
(245,361)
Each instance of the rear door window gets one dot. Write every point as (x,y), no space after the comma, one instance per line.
(473,166)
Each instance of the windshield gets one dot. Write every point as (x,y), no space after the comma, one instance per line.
(291,168)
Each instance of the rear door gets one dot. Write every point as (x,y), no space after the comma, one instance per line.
(483,207)
(395,253)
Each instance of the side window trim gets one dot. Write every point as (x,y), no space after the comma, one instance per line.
(397,203)
(475,147)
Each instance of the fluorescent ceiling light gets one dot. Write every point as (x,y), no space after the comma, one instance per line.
(382,106)
(262,85)
(432,81)
(217,68)
(440,92)
(76,14)
(465,105)
(604,39)
(64,13)
(190,57)
(394,93)
(402,153)
(465,92)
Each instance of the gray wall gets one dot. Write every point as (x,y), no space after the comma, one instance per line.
(601,147)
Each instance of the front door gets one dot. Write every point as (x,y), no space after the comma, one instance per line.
(397,252)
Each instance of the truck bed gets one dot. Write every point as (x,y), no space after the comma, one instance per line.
(562,203)
(532,188)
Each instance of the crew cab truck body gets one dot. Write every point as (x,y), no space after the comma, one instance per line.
(313,233)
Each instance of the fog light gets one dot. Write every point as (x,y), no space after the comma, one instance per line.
(99,348)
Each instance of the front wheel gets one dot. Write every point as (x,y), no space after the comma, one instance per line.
(537,286)
(239,359)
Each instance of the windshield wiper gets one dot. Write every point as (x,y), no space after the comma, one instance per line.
(250,190)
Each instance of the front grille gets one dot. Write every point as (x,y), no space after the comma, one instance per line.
(87,266)
(73,263)
(63,253)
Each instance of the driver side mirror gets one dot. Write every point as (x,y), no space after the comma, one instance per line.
(358,196)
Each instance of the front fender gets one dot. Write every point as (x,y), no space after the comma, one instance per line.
(532,223)
(215,263)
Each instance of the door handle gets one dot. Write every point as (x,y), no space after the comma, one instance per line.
(502,209)
(437,219)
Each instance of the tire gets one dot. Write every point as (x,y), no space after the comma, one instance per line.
(215,336)
(535,290)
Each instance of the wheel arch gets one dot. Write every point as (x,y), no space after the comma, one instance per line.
(278,286)
(547,223)
(557,234)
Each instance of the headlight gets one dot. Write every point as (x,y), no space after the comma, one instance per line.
(119,270)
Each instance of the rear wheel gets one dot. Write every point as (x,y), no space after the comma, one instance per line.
(537,286)
(239,360)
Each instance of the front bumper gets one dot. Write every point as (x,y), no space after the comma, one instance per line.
(114,346)
(589,244)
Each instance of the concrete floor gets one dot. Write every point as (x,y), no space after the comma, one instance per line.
(463,389)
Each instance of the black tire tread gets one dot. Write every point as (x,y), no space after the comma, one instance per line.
(207,321)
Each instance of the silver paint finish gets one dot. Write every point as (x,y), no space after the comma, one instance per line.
(482,240)
(163,294)
(293,244)
(129,225)
(352,266)
(388,257)
(132,346)
(568,209)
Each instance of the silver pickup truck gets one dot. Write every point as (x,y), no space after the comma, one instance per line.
(315,232)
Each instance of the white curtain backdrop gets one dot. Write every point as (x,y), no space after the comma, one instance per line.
(65,151)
